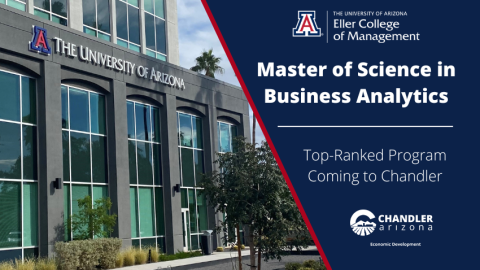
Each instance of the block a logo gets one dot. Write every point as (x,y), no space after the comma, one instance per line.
(39,41)
(306,25)
(361,227)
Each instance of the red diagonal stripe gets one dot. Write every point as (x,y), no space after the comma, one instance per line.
(267,137)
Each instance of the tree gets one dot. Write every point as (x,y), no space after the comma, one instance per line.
(251,189)
(209,63)
(94,221)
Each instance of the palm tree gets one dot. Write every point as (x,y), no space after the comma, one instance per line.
(209,63)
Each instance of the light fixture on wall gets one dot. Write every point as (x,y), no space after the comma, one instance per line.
(176,188)
(58,183)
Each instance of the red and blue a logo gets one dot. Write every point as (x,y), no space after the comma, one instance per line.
(306,25)
(39,41)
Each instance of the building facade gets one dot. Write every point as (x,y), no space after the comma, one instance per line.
(93,102)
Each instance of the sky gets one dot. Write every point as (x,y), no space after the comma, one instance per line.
(196,34)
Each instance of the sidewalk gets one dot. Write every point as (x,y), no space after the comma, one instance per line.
(198,262)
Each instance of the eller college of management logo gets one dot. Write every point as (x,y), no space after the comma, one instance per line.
(306,25)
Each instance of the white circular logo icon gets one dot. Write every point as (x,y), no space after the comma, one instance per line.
(361,227)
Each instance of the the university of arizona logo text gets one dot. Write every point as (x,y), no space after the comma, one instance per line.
(39,41)
(306,25)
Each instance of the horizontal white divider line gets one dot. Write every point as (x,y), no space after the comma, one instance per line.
(365,126)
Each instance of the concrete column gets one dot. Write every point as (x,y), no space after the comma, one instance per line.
(50,158)
(30,6)
(75,15)
(211,150)
(118,161)
(113,20)
(172,32)
(143,39)
(171,176)
(244,129)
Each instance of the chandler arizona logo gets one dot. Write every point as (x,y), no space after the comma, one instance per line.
(306,25)
(361,227)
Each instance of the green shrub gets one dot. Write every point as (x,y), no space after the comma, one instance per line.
(119,261)
(315,265)
(68,255)
(128,257)
(87,254)
(305,268)
(154,254)
(108,253)
(7,266)
(28,264)
(293,266)
(46,264)
(141,256)
(242,246)
(179,255)
(219,249)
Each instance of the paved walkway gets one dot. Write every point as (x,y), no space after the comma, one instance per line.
(221,259)
(270,265)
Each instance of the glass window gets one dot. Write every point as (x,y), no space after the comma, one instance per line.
(144,160)
(66,212)
(99,159)
(226,133)
(78,192)
(130,120)
(65,117)
(97,107)
(30,214)
(29,152)
(29,101)
(10,101)
(10,151)
(132,161)
(155,124)
(159,211)
(187,167)
(133,24)
(143,128)
(185,132)
(155,29)
(54,10)
(18,166)
(10,216)
(191,148)
(18,4)
(190,143)
(96,18)
(157,161)
(122,23)
(80,155)
(66,155)
(128,24)
(160,35)
(199,170)
(134,211)
(79,113)
(197,133)
(84,145)
(147,222)
(202,211)
(146,193)
(193,211)
(184,198)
